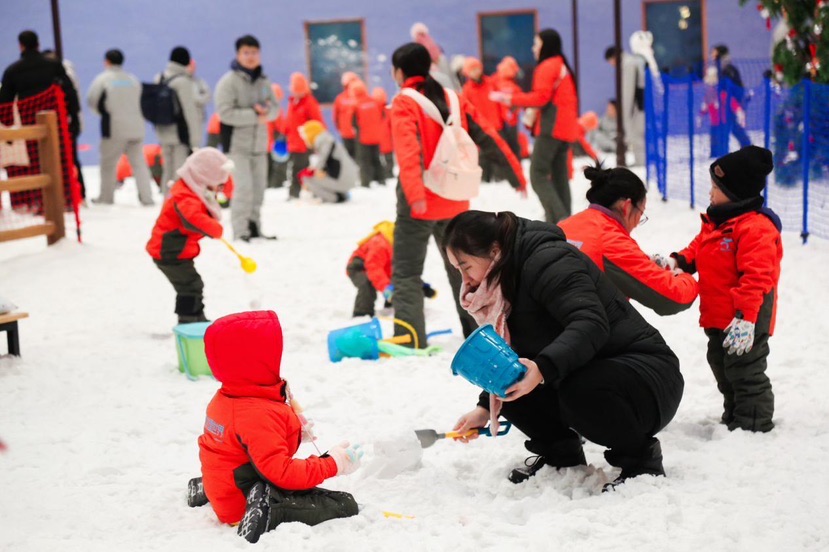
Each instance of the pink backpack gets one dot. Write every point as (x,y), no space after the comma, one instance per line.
(454,172)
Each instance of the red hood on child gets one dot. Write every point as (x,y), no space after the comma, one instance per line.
(245,349)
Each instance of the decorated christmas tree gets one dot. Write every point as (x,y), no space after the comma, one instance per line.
(804,53)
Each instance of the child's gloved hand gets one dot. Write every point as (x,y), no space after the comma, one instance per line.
(308,432)
(388,293)
(740,336)
(668,263)
(347,457)
(428,291)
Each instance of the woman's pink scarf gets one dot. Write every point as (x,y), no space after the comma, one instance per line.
(487,305)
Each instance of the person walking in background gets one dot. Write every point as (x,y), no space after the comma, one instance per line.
(504,81)
(618,200)
(343,114)
(729,85)
(185,136)
(422,213)
(476,90)
(632,101)
(302,107)
(246,104)
(553,115)
(115,96)
(386,144)
(368,122)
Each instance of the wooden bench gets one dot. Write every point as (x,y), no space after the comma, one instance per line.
(8,324)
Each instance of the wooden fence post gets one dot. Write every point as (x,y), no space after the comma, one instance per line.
(54,203)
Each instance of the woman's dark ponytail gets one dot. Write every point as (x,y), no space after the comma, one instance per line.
(415,61)
(607,186)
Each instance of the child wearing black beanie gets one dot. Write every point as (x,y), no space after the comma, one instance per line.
(737,254)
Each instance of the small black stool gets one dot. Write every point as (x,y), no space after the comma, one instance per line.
(8,324)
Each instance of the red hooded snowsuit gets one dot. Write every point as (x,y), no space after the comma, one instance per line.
(249,429)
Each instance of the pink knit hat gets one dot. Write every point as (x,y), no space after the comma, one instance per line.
(206,168)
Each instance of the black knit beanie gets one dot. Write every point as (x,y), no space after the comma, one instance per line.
(180,55)
(742,174)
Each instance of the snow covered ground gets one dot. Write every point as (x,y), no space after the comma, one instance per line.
(101,427)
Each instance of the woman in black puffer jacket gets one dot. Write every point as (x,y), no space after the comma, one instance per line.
(595,367)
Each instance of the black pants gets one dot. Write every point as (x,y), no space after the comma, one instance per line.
(411,241)
(368,159)
(277,173)
(606,401)
(748,400)
(310,507)
(388,165)
(350,147)
(549,178)
(299,162)
(189,289)
(366,294)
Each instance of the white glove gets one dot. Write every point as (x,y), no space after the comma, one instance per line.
(668,263)
(500,97)
(740,336)
(347,457)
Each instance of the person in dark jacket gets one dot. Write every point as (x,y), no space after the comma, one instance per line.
(602,232)
(595,367)
(738,253)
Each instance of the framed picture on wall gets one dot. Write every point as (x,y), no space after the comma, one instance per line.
(679,36)
(508,33)
(334,47)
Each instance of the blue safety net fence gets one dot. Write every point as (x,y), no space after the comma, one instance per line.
(692,121)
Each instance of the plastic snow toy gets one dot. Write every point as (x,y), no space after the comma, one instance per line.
(487,361)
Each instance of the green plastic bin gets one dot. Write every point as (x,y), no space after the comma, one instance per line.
(190,347)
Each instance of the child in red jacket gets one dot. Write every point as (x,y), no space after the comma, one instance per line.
(737,254)
(252,432)
(190,212)
(369,267)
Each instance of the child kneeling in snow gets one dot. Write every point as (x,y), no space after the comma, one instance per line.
(190,212)
(333,173)
(252,432)
(369,269)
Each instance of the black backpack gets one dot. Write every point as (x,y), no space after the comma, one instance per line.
(159,102)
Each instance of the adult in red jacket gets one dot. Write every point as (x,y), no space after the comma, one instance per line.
(251,435)
(420,212)
(343,113)
(302,107)
(386,145)
(602,232)
(504,81)
(368,122)
(188,214)
(555,124)
(476,90)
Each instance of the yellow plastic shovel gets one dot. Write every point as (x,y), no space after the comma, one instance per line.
(248,264)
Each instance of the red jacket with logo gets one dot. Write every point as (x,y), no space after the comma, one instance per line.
(739,266)
(554,94)
(599,234)
(249,430)
(377,254)
(300,110)
(183,221)
(343,111)
(368,120)
(477,93)
(415,136)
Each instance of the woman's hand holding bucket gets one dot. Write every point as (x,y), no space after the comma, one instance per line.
(530,381)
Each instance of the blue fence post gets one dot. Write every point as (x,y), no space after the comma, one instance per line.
(767,130)
(650,135)
(691,135)
(663,177)
(806,153)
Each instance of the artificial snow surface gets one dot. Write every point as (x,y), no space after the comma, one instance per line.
(101,427)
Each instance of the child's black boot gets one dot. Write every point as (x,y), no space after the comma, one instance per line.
(257,510)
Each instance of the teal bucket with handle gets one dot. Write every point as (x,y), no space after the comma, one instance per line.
(358,341)
(487,361)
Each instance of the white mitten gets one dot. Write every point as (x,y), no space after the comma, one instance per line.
(668,263)
(347,457)
(740,336)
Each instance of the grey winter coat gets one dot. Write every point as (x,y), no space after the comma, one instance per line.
(190,131)
(115,96)
(331,156)
(236,94)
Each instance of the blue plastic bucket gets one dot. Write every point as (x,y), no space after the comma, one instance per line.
(358,341)
(280,150)
(487,361)
(190,347)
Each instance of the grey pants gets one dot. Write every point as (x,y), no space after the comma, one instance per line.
(299,161)
(548,175)
(189,288)
(635,135)
(748,401)
(111,151)
(366,294)
(250,177)
(327,189)
(174,157)
(411,240)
